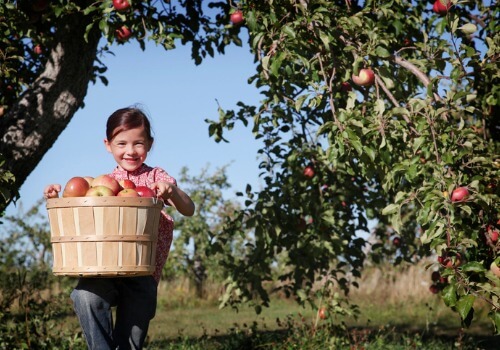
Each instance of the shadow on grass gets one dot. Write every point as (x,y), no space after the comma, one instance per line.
(398,337)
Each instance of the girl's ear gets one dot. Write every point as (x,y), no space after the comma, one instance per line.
(107,145)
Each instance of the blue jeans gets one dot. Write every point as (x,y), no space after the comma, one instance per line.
(135,301)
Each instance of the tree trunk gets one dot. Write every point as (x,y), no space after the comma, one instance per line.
(43,111)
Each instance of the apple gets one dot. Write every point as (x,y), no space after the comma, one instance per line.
(494,236)
(459,194)
(126,183)
(434,289)
(99,191)
(396,241)
(39,5)
(345,87)
(309,171)
(121,5)
(366,77)
(123,33)
(435,276)
(495,269)
(38,49)
(145,191)
(441,7)
(89,179)
(107,181)
(237,17)
(322,313)
(76,187)
(128,192)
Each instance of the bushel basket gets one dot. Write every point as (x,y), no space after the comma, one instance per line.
(104,236)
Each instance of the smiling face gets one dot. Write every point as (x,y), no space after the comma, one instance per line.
(130,148)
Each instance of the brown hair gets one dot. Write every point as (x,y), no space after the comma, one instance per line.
(125,119)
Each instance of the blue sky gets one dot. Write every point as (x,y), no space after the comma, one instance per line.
(178,96)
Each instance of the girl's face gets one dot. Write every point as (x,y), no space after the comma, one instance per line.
(129,148)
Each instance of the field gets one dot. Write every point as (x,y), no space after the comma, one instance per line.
(397,311)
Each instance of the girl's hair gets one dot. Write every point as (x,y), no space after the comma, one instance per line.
(125,119)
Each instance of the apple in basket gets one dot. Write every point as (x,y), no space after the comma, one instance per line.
(126,183)
(145,191)
(108,181)
(76,187)
(128,192)
(99,191)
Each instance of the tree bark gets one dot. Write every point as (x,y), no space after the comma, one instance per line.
(43,111)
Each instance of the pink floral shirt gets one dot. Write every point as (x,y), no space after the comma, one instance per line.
(145,176)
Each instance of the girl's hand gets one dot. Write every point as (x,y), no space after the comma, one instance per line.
(175,197)
(52,191)
(163,189)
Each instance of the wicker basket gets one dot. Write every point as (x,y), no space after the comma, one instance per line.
(104,236)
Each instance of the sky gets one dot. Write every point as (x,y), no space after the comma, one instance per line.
(178,96)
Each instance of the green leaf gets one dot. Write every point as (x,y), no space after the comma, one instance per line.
(382,52)
(450,295)
(390,209)
(473,266)
(288,31)
(464,306)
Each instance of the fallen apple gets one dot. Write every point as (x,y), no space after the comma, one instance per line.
(128,192)
(99,191)
(107,181)
(366,77)
(76,187)
(145,191)
(459,194)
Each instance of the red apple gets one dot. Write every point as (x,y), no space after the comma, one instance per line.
(494,236)
(126,183)
(322,313)
(123,33)
(38,49)
(366,77)
(145,191)
(237,17)
(128,192)
(459,194)
(396,241)
(39,5)
(99,191)
(434,289)
(107,181)
(441,7)
(76,187)
(121,5)
(345,87)
(309,172)
(435,276)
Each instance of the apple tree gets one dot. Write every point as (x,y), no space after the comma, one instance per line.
(379,112)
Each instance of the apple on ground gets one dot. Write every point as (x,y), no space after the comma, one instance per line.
(108,181)
(76,187)
(365,77)
(123,33)
(99,191)
(121,5)
(128,192)
(322,313)
(237,17)
(459,194)
(126,183)
(309,171)
(441,7)
(145,191)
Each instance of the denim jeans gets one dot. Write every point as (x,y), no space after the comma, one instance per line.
(135,301)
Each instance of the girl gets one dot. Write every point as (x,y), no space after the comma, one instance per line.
(128,139)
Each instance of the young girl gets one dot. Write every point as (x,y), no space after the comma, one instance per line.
(128,139)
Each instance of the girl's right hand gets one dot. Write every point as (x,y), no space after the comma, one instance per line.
(52,191)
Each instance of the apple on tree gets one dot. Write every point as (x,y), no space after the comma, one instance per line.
(237,17)
(99,191)
(322,313)
(365,77)
(459,194)
(107,181)
(38,49)
(123,33)
(345,87)
(145,191)
(441,7)
(76,187)
(121,5)
(309,171)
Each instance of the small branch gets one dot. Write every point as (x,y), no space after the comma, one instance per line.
(330,94)
(417,72)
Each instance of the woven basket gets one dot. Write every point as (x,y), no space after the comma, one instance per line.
(104,236)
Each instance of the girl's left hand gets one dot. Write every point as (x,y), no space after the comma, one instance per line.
(163,190)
